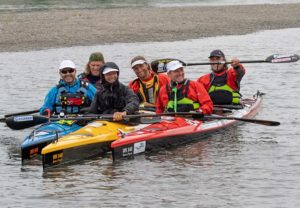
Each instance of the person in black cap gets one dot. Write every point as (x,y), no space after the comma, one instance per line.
(113,97)
(223,84)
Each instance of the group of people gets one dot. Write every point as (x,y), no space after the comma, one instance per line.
(98,89)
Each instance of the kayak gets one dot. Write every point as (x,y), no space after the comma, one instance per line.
(44,135)
(92,140)
(172,131)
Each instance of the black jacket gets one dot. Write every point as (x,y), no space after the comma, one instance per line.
(114,98)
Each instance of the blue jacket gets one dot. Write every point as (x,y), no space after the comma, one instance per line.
(53,95)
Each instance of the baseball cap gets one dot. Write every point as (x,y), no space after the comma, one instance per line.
(67,64)
(173,65)
(138,60)
(216,53)
(109,67)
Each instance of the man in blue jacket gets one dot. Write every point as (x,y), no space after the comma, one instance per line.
(70,95)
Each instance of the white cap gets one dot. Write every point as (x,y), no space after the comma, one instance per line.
(138,62)
(108,69)
(67,64)
(173,65)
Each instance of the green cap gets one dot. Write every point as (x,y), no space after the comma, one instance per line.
(97,56)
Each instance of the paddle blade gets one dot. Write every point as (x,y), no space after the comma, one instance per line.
(23,122)
(276,58)
(160,65)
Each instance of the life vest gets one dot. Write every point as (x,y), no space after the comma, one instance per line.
(148,91)
(178,100)
(220,92)
(71,102)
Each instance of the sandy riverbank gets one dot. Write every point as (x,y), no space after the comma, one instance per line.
(21,31)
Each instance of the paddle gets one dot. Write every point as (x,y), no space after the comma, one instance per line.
(23,122)
(195,115)
(200,116)
(16,114)
(159,66)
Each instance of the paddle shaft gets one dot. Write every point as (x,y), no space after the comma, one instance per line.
(159,66)
(195,115)
(21,113)
(242,62)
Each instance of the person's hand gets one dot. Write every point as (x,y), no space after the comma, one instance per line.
(118,116)
(47,112)
(235,62)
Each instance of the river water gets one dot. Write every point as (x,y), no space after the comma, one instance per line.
(247,166)
(17,5)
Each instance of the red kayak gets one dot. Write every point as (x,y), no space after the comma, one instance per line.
(172,131)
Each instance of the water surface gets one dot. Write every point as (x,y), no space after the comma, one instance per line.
(248,166)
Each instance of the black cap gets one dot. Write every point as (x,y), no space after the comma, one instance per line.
(216,53)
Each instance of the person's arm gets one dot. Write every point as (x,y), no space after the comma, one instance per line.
(49,101)
(159,104)
(91,92)
(95,104)
(206,105)
(132,101)
(238,71)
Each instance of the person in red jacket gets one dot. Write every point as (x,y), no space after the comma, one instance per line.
(147,84)
(223,84)
(182,95)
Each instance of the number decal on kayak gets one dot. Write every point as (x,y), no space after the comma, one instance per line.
(127,151)
(33,151)
(139,147)
(56,158)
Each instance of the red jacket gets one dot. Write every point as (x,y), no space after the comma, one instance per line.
(234,77)
(163,79)
(196,92)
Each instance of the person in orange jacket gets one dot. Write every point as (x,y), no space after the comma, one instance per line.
(147,84)
(223,84)
(182,95)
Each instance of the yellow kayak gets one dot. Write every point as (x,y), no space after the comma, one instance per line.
(92,140)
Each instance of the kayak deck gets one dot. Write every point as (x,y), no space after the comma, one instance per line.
(92,140)
(172,131)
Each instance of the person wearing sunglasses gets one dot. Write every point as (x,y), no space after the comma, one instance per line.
(223,84)
(112,96)
(70,95)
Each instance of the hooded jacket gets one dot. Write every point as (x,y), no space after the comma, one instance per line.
(116,97)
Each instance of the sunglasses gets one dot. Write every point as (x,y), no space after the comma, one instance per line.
(67,70)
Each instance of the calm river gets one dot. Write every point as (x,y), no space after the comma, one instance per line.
(249,166)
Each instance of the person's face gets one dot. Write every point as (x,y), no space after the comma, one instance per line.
(111,77)
(177,75)
(95,67)
(217,67)
(68,75)
(141,71)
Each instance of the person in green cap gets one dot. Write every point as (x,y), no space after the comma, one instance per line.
(91,72)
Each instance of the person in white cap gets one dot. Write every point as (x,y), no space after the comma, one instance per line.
(223,84)
(147,84)
(113,97)
(182,95)
(70,95)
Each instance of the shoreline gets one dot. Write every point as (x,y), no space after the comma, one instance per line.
(37,30)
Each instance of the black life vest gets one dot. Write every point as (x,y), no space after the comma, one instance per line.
(220,92)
